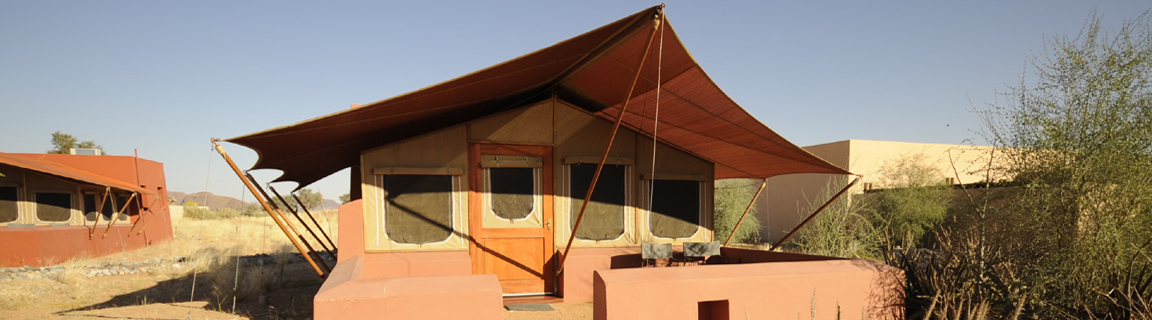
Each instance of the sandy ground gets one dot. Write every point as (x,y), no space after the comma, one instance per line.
(259,292)
(263,292)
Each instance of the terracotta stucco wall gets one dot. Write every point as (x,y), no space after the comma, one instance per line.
(44,244)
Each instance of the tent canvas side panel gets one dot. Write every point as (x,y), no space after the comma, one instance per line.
(580,138)
(441,153)
(677,170)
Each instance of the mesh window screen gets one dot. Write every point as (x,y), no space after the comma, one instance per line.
(91,201)
(604,217)
(120,201)
(675,208)
(8,206)
(53,207)
(512,191)
(418,208)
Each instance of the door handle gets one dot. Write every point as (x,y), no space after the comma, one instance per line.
(548,224)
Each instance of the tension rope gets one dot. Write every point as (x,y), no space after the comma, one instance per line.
(200,236)
(656,118)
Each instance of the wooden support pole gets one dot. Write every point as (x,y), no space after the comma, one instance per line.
(306,227)
(295,231)
(142,210)
(279,223)
(117,215)
(750,204)
(318,227)
(813,215)
(608,148)
(96,221)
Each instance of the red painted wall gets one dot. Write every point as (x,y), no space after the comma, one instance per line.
(43,245)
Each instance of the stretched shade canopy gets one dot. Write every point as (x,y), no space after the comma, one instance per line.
(593,70)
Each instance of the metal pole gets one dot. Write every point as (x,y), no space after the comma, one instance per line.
(290,225)
(306,227)
(279,223)
(802,223)
(750,204)
(309,213)
(608,148)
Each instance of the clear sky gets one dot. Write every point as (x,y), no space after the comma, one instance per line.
(162,77)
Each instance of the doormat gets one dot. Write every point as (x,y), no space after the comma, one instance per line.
(530,307)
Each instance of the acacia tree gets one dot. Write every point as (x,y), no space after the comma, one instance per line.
(309,198)
(63,142)
(915,201)
(1076,136)
(732,197)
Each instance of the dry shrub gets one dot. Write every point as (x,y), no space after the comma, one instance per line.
(19,294)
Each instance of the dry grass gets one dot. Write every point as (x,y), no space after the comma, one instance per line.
(209,249)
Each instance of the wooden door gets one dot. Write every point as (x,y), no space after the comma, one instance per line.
(510,216)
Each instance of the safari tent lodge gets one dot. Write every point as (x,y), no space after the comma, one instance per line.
(473,190)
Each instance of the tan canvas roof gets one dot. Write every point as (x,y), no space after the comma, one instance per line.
(593,70)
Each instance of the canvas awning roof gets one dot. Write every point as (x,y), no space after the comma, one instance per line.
(593,70)
(30,162)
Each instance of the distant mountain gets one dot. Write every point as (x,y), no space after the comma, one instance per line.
(176,196)
(217,201)
(330,204)
(206,199)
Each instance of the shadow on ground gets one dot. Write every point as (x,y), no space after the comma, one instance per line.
(278,292)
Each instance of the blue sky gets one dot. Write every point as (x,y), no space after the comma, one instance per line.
(162,77)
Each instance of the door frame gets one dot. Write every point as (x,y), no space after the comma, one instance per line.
(476,228)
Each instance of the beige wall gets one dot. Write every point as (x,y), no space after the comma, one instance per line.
(444,151)
(571,132)
(787,197)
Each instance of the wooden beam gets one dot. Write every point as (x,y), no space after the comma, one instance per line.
(279,223)
(607,148)
(750,204)
(813,215)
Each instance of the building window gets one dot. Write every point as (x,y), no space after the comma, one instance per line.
(604,217)
(53,206)
(675,208)
(91,201)
(121,201)
(9,205)
(513,192)
(418,208)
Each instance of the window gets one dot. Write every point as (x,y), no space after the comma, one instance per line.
(418,208)
(9,205)
(53,206)
(512,192)
(675,208)
(91,201)
(121,201)
(604,217)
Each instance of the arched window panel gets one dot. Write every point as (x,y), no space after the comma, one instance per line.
(92,201)
(53,206)
(604,216)
(513,192)
(9,204)
(675,211)
(418,208)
